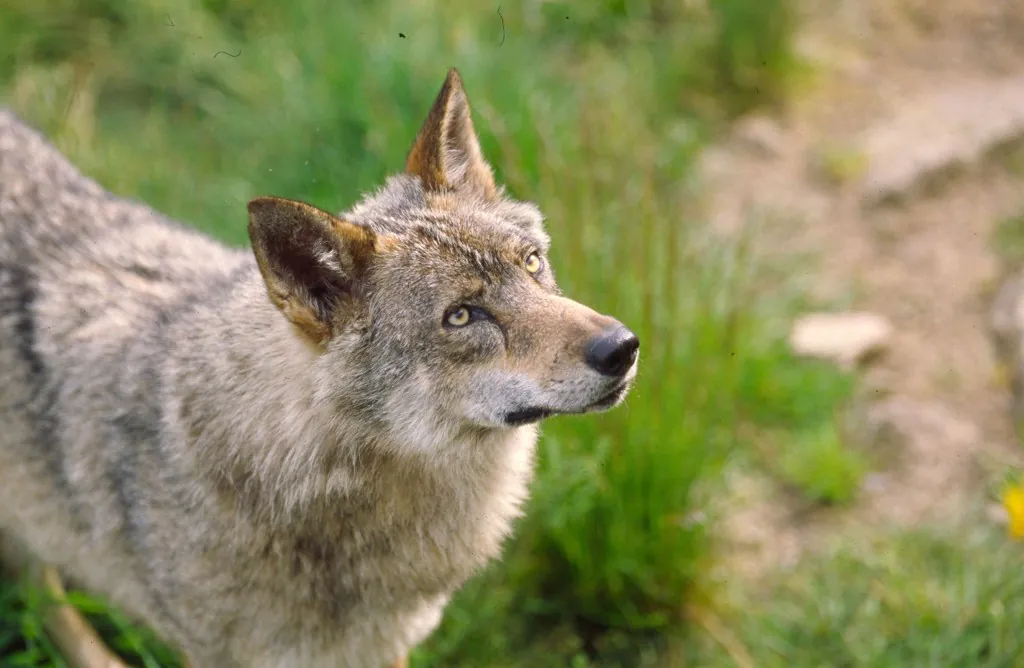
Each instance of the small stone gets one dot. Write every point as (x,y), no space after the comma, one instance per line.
(762,135)
(845,338)
(875,483)
(997,514)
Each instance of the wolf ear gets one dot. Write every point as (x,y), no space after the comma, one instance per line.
(312,262)
(446,154)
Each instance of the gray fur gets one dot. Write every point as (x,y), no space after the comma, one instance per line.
(296,481)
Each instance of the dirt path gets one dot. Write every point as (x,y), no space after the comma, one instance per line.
(922,100)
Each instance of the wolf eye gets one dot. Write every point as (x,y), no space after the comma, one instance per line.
(533,263)
(458,317)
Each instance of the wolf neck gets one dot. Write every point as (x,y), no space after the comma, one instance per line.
(260,429)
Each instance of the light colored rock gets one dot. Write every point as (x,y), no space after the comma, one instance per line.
(996,513)
(761,135)
(951,127)
(875,483)
(845,338)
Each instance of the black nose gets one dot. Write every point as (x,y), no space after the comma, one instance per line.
(613,352)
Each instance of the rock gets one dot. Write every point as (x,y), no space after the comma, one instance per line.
(996,513)
(845,338)
(875,483)
(761,135)
(948,128)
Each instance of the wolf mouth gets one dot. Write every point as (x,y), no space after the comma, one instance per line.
(526,416)
(611,398)
(532,414)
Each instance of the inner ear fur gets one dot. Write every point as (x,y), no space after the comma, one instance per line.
(313,263)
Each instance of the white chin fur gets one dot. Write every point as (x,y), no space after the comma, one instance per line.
(493,395)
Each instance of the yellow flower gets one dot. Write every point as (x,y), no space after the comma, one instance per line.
(1013,500)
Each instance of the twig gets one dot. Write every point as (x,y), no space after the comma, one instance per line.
(77,641)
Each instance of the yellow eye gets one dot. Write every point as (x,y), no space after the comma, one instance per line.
(533,263)
(459,317)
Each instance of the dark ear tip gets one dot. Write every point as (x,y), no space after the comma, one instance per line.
(454,79)
(266,203)
(259,204)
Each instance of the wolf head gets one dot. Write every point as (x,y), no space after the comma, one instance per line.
(431,304)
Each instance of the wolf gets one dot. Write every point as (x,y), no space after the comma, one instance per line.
(291,454)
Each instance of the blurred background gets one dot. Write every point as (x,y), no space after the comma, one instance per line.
(811,212)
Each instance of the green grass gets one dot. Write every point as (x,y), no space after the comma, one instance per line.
(1008,240)
(594,110)
(821,466)
(950,597)
(23,641)
(789,409)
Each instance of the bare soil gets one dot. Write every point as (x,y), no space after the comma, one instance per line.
(896,86)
